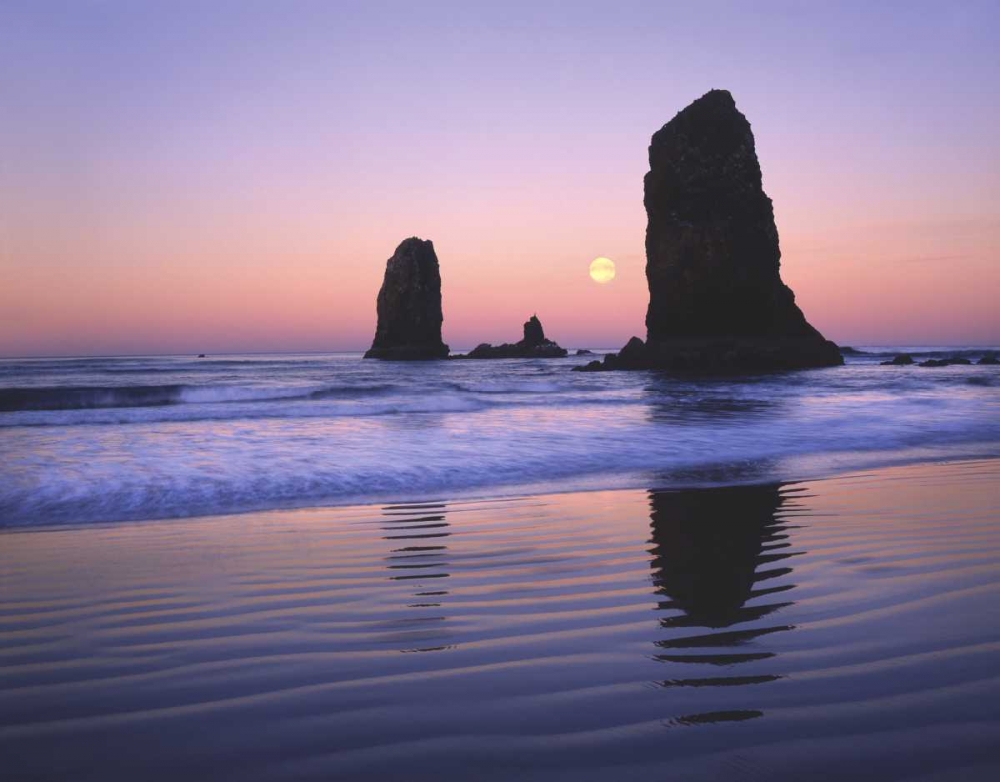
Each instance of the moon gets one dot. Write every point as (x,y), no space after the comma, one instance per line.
(602,270)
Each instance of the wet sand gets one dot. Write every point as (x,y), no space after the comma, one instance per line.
(829,629)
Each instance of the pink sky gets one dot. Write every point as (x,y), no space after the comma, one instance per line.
(180,181)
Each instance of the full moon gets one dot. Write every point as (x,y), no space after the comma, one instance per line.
(602,270)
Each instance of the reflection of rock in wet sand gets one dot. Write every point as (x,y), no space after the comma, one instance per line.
(418,557)
(713,551)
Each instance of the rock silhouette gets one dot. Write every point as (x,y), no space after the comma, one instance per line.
(902,360)
(534,334)
(533,345)
(945,362)
(711,547)
(409,305)
(716,299)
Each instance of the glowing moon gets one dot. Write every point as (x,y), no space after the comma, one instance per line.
(602,270)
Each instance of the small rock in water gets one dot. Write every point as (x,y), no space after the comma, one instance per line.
(902,360)
(990,359)
(533,345)
(534,334)
(632,356)
(945,362)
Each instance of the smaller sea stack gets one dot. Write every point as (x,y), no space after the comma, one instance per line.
(532,345)
(409,306)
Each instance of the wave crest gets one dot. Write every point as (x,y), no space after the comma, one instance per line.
(100,397)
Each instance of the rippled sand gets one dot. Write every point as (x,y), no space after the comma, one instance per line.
(833,629)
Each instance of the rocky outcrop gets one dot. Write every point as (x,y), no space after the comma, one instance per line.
(946,362)
(534,334)
(717,356)
(904,359)
(409,305)
(716,299)
(989,359)
(533,345)
(633,356)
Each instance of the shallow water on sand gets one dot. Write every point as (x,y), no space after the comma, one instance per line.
(830,629)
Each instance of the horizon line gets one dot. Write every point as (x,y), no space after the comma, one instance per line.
(192,354)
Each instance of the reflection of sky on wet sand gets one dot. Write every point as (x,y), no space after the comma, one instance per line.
(663,630)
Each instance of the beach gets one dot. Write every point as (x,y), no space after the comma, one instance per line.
(464,392)
(829,628)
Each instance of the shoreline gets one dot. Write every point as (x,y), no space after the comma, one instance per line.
(263,435)
(522,492)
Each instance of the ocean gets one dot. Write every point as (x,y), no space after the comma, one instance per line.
(108,439)
(314,567)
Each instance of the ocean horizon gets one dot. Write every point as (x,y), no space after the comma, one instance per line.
(106,439)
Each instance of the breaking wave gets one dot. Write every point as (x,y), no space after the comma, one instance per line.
(98,397)
(251,434)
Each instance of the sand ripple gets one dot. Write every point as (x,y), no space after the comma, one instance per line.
(846,628)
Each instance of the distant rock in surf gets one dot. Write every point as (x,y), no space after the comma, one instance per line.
(716,300)
(409,306)
(902,360)
(534,334)
(945,362)
(533,345)
(990,359)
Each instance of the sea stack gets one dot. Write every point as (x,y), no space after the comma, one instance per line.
(716,299)
(409,306)
(532,345)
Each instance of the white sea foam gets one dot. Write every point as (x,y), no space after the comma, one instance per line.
(262,433)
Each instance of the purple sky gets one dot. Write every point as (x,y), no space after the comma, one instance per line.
(182,176)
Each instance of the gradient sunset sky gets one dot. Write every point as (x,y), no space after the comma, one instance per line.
(232,176)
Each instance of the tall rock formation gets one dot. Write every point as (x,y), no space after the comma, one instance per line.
(716,299)
(409,305)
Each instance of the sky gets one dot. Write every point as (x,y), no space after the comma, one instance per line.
(181,177)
